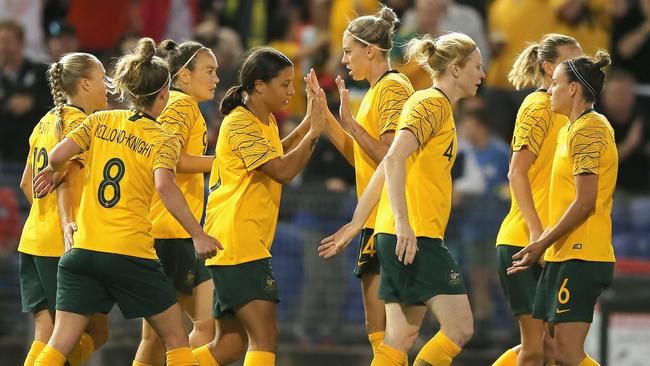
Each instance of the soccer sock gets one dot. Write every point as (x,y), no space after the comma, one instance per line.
(508,358)
(36,348)
(181,357)
(82,351)
(439,351)
(375,339)
(204,356)
(49,356)
(259,358)
(136,363)
(388,356)
(588,361)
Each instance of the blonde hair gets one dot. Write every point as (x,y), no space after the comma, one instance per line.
(528,68)
(140,75)
(436,55)
(63,77)
(375,29)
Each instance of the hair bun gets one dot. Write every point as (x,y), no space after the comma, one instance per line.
(388,15)
(602,59)
(146,49)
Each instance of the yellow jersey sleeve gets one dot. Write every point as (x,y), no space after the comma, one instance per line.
(391,101)
(68,127)
(425,119)
(82,134)
(586,144)
(178,118)
(167,153)
(247,140)
(532,128)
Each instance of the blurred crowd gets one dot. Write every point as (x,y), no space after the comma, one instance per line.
(34,33)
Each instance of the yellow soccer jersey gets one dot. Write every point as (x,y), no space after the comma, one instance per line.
(243,202)
(182,119)
(379,113)
(536,128)
(428,114)
(42,234)
(584,147)
(124,149)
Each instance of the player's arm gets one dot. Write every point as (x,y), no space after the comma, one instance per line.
(44,181)
(520,164)
(405,144)
(190,164)
(26,183)
(68,197)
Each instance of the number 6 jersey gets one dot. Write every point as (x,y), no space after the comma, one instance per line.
(124,150)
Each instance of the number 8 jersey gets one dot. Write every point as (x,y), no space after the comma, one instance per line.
(124,150)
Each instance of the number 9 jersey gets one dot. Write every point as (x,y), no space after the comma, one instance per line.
(124,149)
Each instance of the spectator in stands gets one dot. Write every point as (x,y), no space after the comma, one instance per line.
(631,41)
(631,132)
(24,94)
(61,39)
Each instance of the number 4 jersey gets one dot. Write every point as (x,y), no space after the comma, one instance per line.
(124,150)
(42,234)
(428,115)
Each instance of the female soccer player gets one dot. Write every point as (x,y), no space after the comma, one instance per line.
(366,44)
(113,258)
(578,241)
(245,184)
(78,88)
(533,146)
(417,270)
(194,77)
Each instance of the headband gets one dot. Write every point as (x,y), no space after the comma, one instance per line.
(366,42)
(187,62)
(583,81)
(153,92)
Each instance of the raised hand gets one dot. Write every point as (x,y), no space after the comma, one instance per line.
(347,120)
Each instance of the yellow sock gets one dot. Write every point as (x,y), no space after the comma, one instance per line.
(588,361)
(35,349)
(259,358)
(49,356)
(82,351)
(375,339)
(388,356)
(136,363)
(204,356)
(181,357)
(439,351)
(508,358)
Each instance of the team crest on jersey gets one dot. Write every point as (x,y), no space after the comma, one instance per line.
(269,283)
(454,278)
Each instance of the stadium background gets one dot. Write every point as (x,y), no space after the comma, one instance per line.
(321,314)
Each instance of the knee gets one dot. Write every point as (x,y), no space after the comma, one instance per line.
(264,339)
(202,333)
(99,336)
(402,340)
(461,333)
(231,348)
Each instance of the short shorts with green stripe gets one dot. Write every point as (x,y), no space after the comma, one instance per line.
(38,282)
(181,264)
(92,282)
(568,290)
(238,284)
(433,272)
(520,287)
(367,261)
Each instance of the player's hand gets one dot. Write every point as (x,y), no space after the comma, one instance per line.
(68,235)
(347,120)
(206,246)
(527,256)
(317,115)
(44,182)
(336,243)
(407,244)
